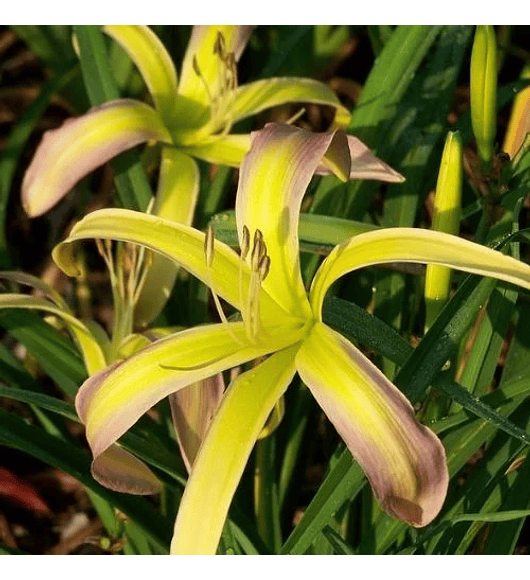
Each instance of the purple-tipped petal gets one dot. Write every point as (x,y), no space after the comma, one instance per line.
(365,165)
(192,409)
(121,471)
(273,179)
(65,155)
(403,460)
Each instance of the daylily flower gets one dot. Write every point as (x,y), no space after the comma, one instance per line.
(192,118)
(282,323)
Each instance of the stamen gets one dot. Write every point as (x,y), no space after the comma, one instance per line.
(197,70)
(264,267)
(259,269)
(258,250)
(219,46)
(296,116)
(245,246)
(245,242)
(209,254)
(208,245)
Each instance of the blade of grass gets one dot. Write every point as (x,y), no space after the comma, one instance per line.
(53,351)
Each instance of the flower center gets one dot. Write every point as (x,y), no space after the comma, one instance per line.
(259,262)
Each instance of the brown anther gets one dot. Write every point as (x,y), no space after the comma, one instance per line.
(259,250)
(219,46)
(264,267)
(209,239)
(245,242)
(195,65)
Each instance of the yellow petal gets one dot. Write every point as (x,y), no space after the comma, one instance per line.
(403,460)
(272,182)
(178,242)
(111,401)
(225,451)
(65,155)
(414,245)
(154,63)
(176,198)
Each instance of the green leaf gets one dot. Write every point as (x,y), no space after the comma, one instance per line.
(54,352)
(318,234)
(339,545)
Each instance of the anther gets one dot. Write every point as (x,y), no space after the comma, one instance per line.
(208,245)
(219,46)
(195,65)
(245,242)
(264,267)
(259,250)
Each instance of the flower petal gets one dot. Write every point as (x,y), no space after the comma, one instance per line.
(403,460)
(254,97)
(111,401)
(225,452)
(67,154)
(365,165)
(176,198)
(192,409)
(93,355)
(222,150)
(120,470)
(200,89)
(178,242)
(414,245)
(154,63)
(272,182)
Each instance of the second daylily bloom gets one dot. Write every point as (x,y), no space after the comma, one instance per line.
(403,460)
(192,118)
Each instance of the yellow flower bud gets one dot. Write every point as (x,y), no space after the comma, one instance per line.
(446,218)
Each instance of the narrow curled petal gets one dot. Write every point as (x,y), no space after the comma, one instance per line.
(111,401)
(225,451)
(67,154)
(273,179)
(252,98)
(365,165)
(93,355)
(414,245)
(201,58)
(153,61)
(192,409)
(181,243)
(222,149)
(176,198)
(403,460)
(121,471)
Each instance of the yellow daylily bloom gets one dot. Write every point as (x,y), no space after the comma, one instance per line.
(191,118)
(280,321)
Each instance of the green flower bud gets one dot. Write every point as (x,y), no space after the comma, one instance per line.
(484,90)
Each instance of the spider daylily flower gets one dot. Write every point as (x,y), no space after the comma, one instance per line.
(403,460)
(192,117)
